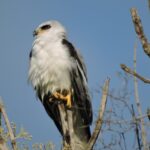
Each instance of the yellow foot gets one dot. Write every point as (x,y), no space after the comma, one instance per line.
(66,98)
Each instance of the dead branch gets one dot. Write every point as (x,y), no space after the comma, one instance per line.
(137,101)
(66,140)
(139,31)
(73,131)
(11,134)
(128,70)
(99,121)
(136,128)
(3,145)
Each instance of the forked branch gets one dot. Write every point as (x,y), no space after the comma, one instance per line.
(99,121)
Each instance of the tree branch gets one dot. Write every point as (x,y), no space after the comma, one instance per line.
(136,128)
(3,145)
(99,121)
(137,101)
(11,134)
(128,70)
(139,31)
(73,129)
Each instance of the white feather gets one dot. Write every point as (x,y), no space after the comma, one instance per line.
(50,63)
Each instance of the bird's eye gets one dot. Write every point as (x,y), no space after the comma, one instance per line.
(45,27)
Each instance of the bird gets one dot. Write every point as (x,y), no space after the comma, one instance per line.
(58,75)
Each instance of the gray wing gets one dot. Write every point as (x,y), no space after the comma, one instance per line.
(79,85)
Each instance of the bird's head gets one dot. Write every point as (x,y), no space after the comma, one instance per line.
(50,29)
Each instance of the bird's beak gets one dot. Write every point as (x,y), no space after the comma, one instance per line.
(35,33)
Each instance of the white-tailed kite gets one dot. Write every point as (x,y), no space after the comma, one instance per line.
(58,75)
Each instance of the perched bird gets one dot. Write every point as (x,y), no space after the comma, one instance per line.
(58,75)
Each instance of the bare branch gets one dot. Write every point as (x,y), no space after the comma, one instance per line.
(73,130)
(137,101)
(3,145)
(136,128)
(11,134)
(128,70)
(139,31)
(99,121)
(2,141)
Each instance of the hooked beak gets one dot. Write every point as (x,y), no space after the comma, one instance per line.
(35,33)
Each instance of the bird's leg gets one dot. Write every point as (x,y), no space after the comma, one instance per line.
(66,97)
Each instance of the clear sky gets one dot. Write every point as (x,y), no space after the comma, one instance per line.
(101,29)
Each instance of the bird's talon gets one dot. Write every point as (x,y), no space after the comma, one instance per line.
(66,98)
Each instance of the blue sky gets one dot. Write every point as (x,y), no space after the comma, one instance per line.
(101,29)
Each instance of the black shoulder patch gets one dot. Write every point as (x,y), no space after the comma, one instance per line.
(73,53)
(30,55)
(71,48)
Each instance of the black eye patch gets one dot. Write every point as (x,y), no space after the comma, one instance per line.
(45,27)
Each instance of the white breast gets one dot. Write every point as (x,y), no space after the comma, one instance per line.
(50,65)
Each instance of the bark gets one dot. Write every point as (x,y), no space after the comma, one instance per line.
(75,134)
(10,131)
(3,145)
(132,72)
(140,31)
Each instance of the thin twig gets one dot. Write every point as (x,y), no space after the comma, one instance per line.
(139,31)
(128,70)
(124,140)
(137,101)
(99,121)
(11,134)
(131,121)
